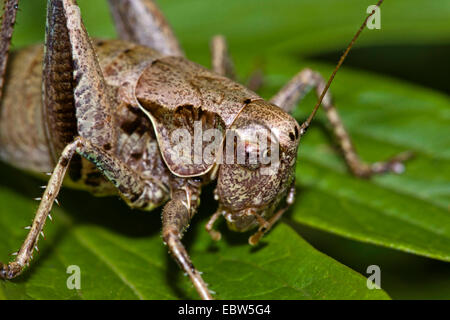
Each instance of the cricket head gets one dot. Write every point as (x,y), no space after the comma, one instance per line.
(250,192)
(258,164)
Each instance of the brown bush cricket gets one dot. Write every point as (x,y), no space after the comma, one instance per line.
(111,108)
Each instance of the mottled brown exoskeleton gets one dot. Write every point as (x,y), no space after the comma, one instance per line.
(103,112)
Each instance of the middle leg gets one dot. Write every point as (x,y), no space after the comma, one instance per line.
(288,97)
(177,214)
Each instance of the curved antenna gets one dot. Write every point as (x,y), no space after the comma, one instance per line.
(306,124)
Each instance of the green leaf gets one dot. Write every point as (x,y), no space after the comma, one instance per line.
(129,260)
(121,253)
(307,26)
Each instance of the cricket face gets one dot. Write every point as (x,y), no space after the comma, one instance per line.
(265,141)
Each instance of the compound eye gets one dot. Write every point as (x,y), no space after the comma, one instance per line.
(250,158)
(257,156)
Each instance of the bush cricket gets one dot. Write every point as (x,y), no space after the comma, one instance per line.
(101,115)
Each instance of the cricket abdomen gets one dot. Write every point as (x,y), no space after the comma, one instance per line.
(23,142)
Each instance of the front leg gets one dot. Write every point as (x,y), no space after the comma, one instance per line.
(288,97)
(25,254)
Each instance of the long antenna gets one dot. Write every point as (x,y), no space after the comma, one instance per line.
(306,124)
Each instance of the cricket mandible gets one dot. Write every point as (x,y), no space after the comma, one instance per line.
(100,116)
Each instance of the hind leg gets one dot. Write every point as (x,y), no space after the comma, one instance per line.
(67,36)
(177,215)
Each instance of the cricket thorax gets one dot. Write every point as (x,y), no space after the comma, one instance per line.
(177,95)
